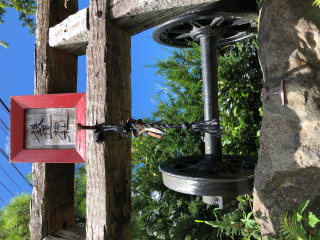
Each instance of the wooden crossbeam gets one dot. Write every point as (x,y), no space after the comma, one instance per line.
(136,16)
(71,35)
(133,16)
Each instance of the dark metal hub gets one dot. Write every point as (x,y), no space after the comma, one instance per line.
(213,176)
(235,26)
(197,33)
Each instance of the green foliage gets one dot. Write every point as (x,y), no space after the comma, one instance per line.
(317,3)
(25,8)
(29,177)
(237,222)
(240,83)
(294,226)
(156,209)
(4,44)
(312,220)
(158,212)
(80,183)
(15,218)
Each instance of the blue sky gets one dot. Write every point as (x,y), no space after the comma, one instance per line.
(17,78)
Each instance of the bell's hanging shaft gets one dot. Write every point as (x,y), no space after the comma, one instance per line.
(208,46)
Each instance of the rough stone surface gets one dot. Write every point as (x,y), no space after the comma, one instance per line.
(289,157)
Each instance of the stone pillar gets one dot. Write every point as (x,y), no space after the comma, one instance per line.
(288,170)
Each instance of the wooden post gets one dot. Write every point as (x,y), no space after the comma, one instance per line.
(108,101)
(52,202)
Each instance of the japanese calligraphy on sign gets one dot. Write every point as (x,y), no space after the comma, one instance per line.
(50,128)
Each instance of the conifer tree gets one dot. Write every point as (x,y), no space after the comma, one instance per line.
(15,217)
(80,183)
(158,212)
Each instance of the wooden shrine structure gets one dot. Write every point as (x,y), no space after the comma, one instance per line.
(103,32)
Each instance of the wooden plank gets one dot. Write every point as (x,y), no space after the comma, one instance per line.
(72,34)
(77,232)
(52,202)
(50,128)
(108,101)
(134,16)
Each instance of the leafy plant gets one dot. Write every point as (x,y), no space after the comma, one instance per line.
(293,226)
(158,212)
(15,217)
(25,8)
(238,222)
(80,183)
(240,83)
(317,3)
(4,44)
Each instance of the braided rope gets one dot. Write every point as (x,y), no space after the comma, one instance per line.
(209,126)
(165,126)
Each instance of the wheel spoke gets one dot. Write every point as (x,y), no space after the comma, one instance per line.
(241,27)
(195,24)
(220,22)
(238,22)
(234,31)
(232,37)
(215,21)
(185,35)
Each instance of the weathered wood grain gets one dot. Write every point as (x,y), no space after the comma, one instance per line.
(50,128)
(76,232)
(72,34)
(52,202)
(134,16)
(108,101)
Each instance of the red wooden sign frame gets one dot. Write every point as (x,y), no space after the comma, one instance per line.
(18,104)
